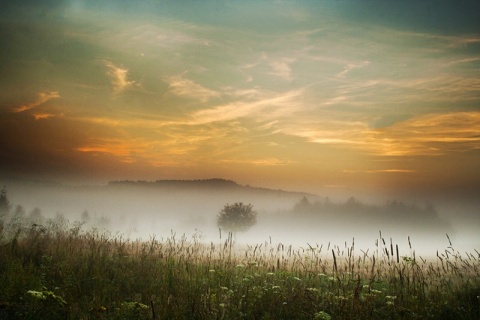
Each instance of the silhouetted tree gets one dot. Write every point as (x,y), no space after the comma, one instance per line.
(5,205)
(103,222)
(85,217)
(303,205)
(19,212)
(237,217)
(35,216)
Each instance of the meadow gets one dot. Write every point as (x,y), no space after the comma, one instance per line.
(61,270)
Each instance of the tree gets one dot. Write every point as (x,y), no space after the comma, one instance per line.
(303,205)
(85,217)
(237,217)
(5,205)
(35,216)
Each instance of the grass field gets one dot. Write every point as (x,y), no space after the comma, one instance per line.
(61,271)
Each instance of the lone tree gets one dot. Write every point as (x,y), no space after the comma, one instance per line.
(237,217)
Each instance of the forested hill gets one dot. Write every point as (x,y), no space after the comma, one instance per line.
(214,184)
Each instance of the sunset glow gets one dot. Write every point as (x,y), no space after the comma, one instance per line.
(313,96)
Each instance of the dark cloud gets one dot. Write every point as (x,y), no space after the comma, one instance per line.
(33,146)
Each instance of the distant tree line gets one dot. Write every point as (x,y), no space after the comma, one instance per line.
(395,211)
(17,216)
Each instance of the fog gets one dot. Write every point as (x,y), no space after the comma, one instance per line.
(142,210)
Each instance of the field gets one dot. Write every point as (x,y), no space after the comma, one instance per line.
(65,271)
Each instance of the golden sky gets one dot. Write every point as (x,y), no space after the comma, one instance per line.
(319,97)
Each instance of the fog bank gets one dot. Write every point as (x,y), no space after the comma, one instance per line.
(162,208)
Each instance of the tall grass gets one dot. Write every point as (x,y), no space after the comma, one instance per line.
(64,272)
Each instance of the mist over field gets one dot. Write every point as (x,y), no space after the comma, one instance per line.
(162,209)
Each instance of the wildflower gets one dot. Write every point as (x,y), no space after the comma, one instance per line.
(37,294)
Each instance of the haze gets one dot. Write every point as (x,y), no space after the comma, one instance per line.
(373,99)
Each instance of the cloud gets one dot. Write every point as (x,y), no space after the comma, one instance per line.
(118,77)
(463,60)
(40,116)
(352,66)
(281,68)
(260,162)
(447,41)
(42,97)
(126,150)
(431,134)
(183,87)
(381,171)
(266,107)
(327,131)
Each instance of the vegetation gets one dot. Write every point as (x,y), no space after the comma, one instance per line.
(237,217)
(397,212)
(61,271)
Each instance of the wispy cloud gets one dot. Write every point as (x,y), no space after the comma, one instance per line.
(42,97)
(277,104)
(281,68)
(118,77)
(430,134)
(327,131)
(184,87)
(352,66)
(463,60)
(381,171)
(126,151)
(260,162)
(40,116)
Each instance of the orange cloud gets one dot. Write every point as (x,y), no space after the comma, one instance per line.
(125,150)
(118,77)
(187,88)
(261,162)
(381,171)
(431,134)
(42,97)
(40,116)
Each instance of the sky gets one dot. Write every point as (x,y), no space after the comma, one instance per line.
(316,96)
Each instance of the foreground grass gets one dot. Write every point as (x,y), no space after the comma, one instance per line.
(66,273)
